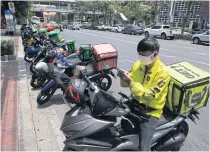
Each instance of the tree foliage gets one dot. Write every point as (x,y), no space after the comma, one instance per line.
(138,11)
(21,8)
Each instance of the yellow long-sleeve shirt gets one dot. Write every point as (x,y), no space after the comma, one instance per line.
(149,88)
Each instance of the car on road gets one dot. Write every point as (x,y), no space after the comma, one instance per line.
(162,31)
(199,38)
(74,27)
(92,27)
(104,27)
(117,28)
(133,30)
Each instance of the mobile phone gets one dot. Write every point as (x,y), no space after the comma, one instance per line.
(121,73)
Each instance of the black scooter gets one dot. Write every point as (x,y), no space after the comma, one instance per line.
(94,126)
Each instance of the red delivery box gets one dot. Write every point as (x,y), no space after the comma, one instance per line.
(105,56)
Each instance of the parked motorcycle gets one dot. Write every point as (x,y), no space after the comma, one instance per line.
(33,48)
(52,45)
(39,77)
(94,126)
(59,78)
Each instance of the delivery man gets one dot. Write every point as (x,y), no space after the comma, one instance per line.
(148,82)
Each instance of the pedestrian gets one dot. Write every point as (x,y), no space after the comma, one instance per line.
(148,82)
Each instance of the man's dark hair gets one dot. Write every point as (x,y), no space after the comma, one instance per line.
(148,44)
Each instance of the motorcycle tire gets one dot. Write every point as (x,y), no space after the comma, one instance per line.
(102,84)
(37,82)
(28,58)
(47,94)
(25,47)
(32,66)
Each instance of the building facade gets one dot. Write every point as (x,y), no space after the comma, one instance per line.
(173,12)
(60,11)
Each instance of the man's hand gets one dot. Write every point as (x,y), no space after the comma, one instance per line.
(123,74)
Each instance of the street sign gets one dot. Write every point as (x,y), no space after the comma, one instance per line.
(11,6)
(7,12)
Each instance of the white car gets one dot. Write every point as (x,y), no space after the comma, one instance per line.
(199,38)
(74,27)
(117,28)
(104,27)
(162,31)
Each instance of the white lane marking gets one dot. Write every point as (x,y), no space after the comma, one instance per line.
(164,49)
(195,61)
(106,37)
(129,61)
(168,56)
(184,59)
(135,43)
(118,34)
(189,48)
(195,49)
(200,53)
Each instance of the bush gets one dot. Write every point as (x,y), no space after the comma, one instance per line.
(10,47)
(3,47)
(7,47)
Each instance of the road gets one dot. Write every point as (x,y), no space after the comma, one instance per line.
(47,118)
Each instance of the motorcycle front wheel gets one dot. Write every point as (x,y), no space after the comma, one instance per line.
(105,82)
(29,57)
(36,81)
(44,96)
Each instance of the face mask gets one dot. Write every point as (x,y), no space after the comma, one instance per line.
(146,60)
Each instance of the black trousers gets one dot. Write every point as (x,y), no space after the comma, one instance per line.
(147,129)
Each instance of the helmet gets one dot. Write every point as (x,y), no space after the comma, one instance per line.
(31,49)
(42,69)
(50,54)
(75,92)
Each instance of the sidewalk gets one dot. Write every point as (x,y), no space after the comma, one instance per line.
(9,103)
(17,131)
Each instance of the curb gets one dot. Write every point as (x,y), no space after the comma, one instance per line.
(27,136)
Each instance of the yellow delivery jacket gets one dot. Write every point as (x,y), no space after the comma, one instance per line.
(151,88)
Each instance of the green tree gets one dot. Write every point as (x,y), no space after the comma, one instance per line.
(92,6)
(22,8)
(30,14)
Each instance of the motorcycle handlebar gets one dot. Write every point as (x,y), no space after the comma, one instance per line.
(85,77)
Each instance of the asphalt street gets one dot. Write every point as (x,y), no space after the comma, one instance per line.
(171,51)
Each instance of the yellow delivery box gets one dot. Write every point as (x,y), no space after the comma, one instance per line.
(188,88)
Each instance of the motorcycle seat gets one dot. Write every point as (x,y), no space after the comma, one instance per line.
(166,117)
(75,60)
